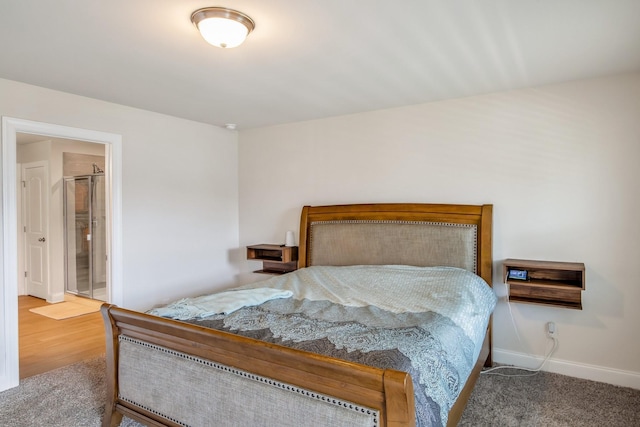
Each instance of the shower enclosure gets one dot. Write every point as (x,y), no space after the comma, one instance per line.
(85,236)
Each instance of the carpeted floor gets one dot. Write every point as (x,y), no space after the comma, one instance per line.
(550,400)
(68,396)
(74,396)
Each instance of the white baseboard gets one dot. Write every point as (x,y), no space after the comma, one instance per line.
(573,369)
(56,297)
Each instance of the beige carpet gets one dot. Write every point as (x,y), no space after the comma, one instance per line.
(71,307)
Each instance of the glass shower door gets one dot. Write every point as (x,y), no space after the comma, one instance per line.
(77,223)
(85,232)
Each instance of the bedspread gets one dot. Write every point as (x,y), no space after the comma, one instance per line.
(429,322)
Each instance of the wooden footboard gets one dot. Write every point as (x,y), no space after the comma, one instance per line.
(149,360)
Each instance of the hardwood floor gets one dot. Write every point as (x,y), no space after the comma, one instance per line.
(46,344)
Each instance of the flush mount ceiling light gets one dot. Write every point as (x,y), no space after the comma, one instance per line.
(222,27)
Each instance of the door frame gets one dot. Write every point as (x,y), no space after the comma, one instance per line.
(9,359)
(22,288)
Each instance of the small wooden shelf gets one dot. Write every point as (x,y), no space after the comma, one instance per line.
(552,283)
(276,259)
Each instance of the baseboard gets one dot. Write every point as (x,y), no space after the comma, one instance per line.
(573,369)
(56,297)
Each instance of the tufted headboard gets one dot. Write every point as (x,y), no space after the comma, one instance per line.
(390,234)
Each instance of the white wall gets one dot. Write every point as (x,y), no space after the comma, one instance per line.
(559,163)
(179,191)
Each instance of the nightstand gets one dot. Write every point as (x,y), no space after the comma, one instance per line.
(276,259)
(553,283)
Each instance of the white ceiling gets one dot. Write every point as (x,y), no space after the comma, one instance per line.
(311,59)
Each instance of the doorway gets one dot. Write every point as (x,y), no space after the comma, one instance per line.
(9,359)
(62,218)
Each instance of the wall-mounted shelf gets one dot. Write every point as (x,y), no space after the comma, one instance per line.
(553,283)
(276,259)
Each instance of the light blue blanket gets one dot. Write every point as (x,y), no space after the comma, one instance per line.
(218,303)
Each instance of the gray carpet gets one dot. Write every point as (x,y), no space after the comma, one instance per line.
(550,400)
(74,396)
(69,396)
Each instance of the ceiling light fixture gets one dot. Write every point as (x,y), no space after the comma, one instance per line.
(222,27)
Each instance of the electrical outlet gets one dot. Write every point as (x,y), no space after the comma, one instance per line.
(551,329)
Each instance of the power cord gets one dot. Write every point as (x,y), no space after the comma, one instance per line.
(551,334)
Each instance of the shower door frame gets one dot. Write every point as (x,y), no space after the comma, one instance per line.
(91,178)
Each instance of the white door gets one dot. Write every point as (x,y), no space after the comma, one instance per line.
(35,184)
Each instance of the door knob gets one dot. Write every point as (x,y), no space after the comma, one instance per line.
(42,239)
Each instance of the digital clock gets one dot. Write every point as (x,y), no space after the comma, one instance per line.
(517,274)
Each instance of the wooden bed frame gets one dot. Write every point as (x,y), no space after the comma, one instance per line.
(387,392)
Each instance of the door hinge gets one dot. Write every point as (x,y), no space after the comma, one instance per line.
(24,184)
(25,274)
(24,228)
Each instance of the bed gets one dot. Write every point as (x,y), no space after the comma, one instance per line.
(170,372)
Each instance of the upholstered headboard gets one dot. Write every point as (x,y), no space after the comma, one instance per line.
(408,234)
